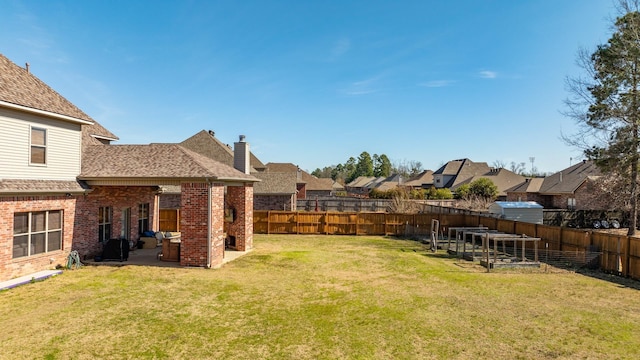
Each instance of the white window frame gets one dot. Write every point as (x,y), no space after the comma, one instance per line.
(39,146)
(143,217)
(104,223)
(47,231)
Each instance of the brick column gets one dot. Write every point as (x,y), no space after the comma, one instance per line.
(194,224)
(241,198)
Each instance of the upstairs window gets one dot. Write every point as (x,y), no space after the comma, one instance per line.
(38,152)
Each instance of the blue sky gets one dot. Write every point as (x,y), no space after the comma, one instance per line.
(315,82)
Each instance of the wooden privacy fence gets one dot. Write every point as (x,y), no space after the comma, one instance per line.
(169,220)
(342,223)
(619,254)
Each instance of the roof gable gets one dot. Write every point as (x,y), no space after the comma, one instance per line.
(205,143)
(19,87)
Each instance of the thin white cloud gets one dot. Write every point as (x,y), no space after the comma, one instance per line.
(340,48)
(361,87)
(437,83)
(487,74)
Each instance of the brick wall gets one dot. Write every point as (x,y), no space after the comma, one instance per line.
(118,198)
(588,198)
(274,202)
(195,227)
(170,201)
(241,199)
(11,268)
(302,191)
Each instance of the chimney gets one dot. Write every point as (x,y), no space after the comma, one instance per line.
(560,176)
(26,66)
(241,155)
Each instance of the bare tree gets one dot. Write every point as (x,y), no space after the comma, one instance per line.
(499,164)
(518,168)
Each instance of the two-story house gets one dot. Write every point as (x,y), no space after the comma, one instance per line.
(64,187)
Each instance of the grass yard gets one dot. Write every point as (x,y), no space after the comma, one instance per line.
(321,297)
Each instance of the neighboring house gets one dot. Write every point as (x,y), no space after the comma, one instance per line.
(362,185)
(529,190)
(389,183)
(63,186)
(318,187)
(338,189)
(206,143)
(570,188)
(275,191)
(295,172)
(464,171)
(424,180)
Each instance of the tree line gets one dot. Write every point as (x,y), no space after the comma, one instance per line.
(367,165)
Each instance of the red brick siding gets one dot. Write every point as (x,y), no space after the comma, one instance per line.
(170,201)
(302,191)
(241,199)
(195,227)
(11,268)
(118,198)
(588,198)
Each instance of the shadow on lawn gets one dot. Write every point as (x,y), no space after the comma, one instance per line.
(622,282)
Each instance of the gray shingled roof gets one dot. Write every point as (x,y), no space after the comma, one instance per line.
(425,177)
(282,167)
(529,186)
(503,179)
(153,161)
(274,183)
(208,145)
(20,87)
(450,168)
(15,186)
(316,184)
(569,179)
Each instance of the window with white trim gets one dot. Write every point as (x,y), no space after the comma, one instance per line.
(38,149)
(104,223)
(571,203)
(36,232)
(143,217)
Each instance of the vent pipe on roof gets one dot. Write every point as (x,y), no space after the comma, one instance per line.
(26,66)
(241,155)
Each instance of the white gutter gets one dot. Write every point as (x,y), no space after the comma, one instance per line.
(45,113)
(104,137)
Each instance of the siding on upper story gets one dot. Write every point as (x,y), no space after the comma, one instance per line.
(63,150)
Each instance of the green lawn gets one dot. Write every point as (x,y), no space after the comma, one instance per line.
(321,297)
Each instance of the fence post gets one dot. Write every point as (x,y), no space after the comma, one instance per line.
(560,239)
(268,222)
(627,255)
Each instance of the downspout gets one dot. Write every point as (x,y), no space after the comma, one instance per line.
(208,224)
